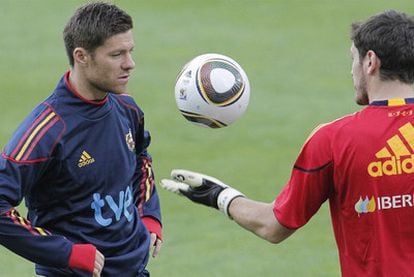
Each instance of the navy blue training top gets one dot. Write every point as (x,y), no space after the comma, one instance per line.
(86,176)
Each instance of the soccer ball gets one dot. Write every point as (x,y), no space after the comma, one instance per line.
(212,90)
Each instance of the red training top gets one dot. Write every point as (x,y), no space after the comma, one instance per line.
(364,164)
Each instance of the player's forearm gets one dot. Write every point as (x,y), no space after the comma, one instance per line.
(40,246)
(258,217)
(254,216)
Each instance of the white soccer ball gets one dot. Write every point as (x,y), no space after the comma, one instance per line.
(212,90)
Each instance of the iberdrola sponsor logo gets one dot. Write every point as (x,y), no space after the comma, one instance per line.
(386,202)
(366,205)
(397,157)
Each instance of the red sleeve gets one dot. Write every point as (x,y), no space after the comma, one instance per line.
(153,226)
(82,257)
(310,182)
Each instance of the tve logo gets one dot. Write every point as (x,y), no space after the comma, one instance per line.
(119,209)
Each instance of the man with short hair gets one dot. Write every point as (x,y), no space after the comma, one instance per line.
(80,161)
(362,163)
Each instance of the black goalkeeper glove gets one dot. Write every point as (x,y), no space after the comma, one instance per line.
(201,189)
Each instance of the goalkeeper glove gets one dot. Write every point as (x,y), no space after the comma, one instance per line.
(201,189)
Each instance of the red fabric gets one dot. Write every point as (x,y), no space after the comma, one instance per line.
(364,165)
(83,257)
(153,226)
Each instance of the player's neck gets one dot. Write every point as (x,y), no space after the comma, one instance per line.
(84,88)
(384,90)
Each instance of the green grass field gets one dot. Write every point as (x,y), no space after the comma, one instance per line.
(296,54)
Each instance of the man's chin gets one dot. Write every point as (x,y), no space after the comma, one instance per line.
(119,91)
(361,98)
(362,102)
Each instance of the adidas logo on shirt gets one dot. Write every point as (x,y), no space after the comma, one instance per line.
(397,157)
(85,159)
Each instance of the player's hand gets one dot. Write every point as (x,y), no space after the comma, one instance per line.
(155,245)
(99,264)
(202,189)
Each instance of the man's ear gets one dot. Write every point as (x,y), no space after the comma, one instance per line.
(81,56)
(373,63)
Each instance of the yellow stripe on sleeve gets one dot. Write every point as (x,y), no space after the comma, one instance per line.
(33,134)
(148,183)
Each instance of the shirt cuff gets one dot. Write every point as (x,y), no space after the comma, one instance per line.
(83,257)
(153,226)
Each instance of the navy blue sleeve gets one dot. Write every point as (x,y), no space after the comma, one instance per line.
(147,201)
(23,161)
(33,243)
(145,193)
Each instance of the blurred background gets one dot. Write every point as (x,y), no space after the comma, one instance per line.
(296,54)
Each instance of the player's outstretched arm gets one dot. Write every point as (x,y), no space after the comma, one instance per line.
(254,216)
(258,217)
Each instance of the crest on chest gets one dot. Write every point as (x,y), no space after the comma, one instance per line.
(129,139)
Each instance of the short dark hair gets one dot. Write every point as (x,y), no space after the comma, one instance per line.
(391,36)
(92,24)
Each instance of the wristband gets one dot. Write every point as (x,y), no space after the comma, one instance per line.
(83,257)
(225,197)
(153,226)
